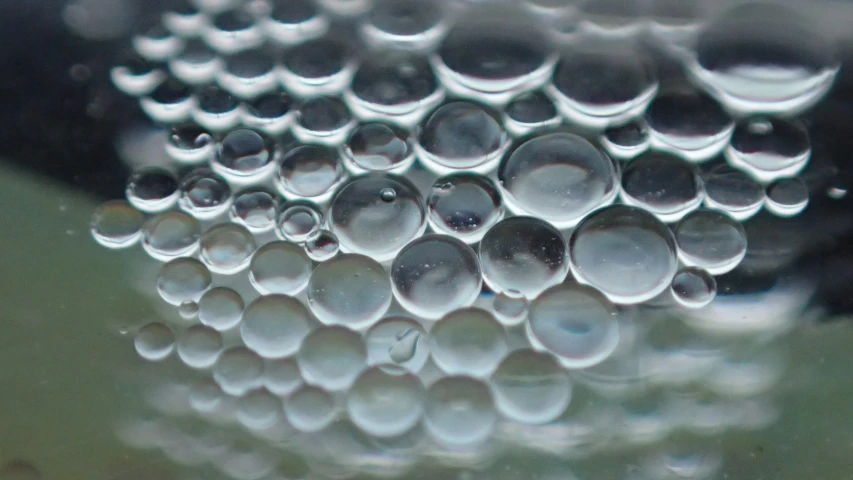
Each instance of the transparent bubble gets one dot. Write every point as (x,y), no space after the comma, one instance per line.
(530,387)
(204,194)
(170,234)
(232,31)
(693,287)
(309,171)
(787,197)
(461,135)
(396,343)
(662,184)
(170,102)
(197,64)
(523,254)
(136,76)
(245,156)
(188,310)
(710,240)
(309,409)
(275,325)
(282,376)
(365,223)
(116,224)
(558,177)
(271,113)
(206,396)
(199,346)
(227,249)
(688,123)
(434,275)
(280,267)
(385,405)
(220,308)
(351,290)
(182,279)
(238,370)
(617,83)
(186,21)
(248,74)
(258,409)
(294,21)
(216,109)
(616,19)
(733,192)
(468,342)
(627,140)
(574,322)
(154,341)
(322,245)
(152,190)
(769,149)
(317,67)
(459,411)
(189,144)
(298,221)
(625,252)
(332,357)
(510,307)
(157,44)
(325,120)
(406,24)
(464,205)
(528,112)
(378,147)
(255,210)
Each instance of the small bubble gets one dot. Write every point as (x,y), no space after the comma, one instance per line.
(199,346)
(188,309)
(227,249)
(351,290)
(282,376)
(280,267)
(299,220)
(405,347)
(170,234)
(204,195)
(387,194)
(317,67)
(710,240)
(734,192)
(464,205)
(116,224)
(461,135)
(396,343)
(322,245)
(459,411)
(510,307)
(220,308)
(787,197)
(245,156)
(152,190)
(258,409)
(238,370)
(189,144)
(530,387)
(836,193)
(182,279)
(781,150)
(275,325)
(385,405)
(255,210)
(325,120)
(332,357)
(663,185)
(688,123)
(309,409)
(468,341)
(154,342)
(693,287)
(309,172)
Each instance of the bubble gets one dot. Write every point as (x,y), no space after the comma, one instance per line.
(617,83)
(396,87)
(530,387)
(317,67)
(378,147)
(282,376)
(769,149)
(693,287)
(574,322)
(255,210)
(116,224)
(157,44)
(271,113)
(188,310)
(324,120)
(220,308)
(510,307)
(238,370)
(298,221)
(558,177)
(733,192)
(523,254)
(396,343)
(710,240)
(351,290)
(258,409)
(294,21)
(459,411)
(309,409)
(205,396)
(436,274)
(366,224)
(787,197)
(189,144)
(227,249)
(322,245)
(627,140)
(170,102)
(461,135)
(136,76)
(186,21)
(528,112)
(170,234)
(232,31)
(332,357)
(405,24)
(689,124)
(152,190)
(309,172)
(245,156)
(197,64)
(464,205)
(624,252)
(199,346)
(615,19)
(154,342)
(275,325)
(182,279)
(468,342)
(663,185)
(216,109)
(204,195)
(280,267)
(248,74)
(385,405)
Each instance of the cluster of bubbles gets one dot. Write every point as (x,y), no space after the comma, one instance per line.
(431,235)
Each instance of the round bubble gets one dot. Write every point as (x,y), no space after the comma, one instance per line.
(220,308)
(204,194)
(154,342)
(787,197)
(316,67)
(238,370)
(324,119)
(710,240)
(322,245)
(227,248)
(404,23)
(460,135)
(309,171)
(464,205)
(188,309)
(769,149)
(189,143)
(530,387)
(385,405)
(244,154)
(258,409)
(116,224)
(459,411)
(733,191)
(627,140)
(280,267)
(298,221)
(309,409)
(351,290)
(152,190)
(332,357)
(693,287)
(377,147)
(170,234)
(199,346)
(282,376)
(468,342)
(689,124)
(274,326)
(397,343)
(255,210)
(510,307)
(182,279)
(529,111)
(662,184)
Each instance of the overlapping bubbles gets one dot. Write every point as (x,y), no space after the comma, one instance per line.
(406,233)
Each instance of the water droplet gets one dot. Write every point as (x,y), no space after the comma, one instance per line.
(557,177)
(574,322)
(523,254)
(317,67)
(663,185)
(351,290)
(405,24)
(271,113)
(188,310)
(385,405)
(282,376)
(693,287)
(152,190)
(780,150)
(299,220)
(396,343)
(530,387)
(182,279)
(245,156)
(189,144)
(459,411)
(324,120)
(332,357)
(375,147)
(309,171)
(627,140)
(625,252)
(689,124)
(366,224)
(204,195)
(227,249)
(280,267)
(461,135)
(238,370)
(248,74)
(464,205)
(275,325)
(528,112)
(220,308)
(387,194)
(322,245)
(169,235)
(434,275)
(199,346)
(215,109)
(309,409)
(710,240)
(116,224)
(154,342)
(734,192)
(468,342)
(787,197)
(510,307)
(258,409)
(255,210)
